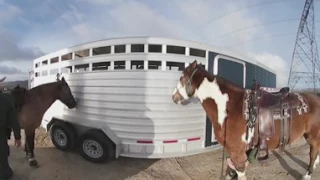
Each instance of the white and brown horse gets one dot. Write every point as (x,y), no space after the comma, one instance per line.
(246,119)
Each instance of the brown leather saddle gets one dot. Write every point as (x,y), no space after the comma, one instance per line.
(271,107)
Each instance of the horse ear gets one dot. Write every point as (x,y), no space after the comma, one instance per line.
(63,80)
(194,64)
(58,77)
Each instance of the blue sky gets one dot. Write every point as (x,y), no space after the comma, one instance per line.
(30,28)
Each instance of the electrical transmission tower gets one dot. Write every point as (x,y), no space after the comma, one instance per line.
(305,66)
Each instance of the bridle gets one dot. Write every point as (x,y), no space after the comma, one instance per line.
(188,84)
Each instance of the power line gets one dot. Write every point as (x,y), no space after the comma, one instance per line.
(59,12)
(246,7)
(260,38)
(253,26)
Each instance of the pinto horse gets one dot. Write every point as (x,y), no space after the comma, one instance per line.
(247,119)
(33,103)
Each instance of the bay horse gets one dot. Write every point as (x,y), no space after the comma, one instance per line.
(245,119)
(32,105)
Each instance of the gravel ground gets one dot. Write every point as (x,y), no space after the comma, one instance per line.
(58,165)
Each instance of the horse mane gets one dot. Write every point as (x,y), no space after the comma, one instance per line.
(221,80)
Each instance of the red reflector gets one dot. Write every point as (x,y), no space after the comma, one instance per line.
(145,142)
(194,139)
(170,141)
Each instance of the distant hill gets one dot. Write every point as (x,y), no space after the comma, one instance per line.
(11,84)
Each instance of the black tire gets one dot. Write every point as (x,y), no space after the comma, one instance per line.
(96,147)
(66,133)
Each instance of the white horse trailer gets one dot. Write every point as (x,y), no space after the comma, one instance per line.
(123,89)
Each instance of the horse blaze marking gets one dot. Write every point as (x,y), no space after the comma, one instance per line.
(212,90)
(250,136)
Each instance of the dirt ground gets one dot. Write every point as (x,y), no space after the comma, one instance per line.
(58,165)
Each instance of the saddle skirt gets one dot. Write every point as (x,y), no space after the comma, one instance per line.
(272,107)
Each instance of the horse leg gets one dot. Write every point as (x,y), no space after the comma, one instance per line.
(314,157)
(30,147)
(26,145)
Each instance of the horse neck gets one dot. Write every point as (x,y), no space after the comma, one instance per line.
(220,99)
(47,94)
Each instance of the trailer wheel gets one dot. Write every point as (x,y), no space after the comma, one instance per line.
(63,136)
(96,147)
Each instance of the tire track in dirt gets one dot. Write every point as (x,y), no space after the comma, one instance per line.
(187,167)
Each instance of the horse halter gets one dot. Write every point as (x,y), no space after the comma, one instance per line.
(188,85)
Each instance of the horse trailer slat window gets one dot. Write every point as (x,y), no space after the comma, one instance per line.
(100,66)
(54,60)
(81,68)
(175,66)
(137,64)
(101,50)
(197,52)
(154,65)
(66,69)
(120,65)
(155,48)
(54,71)
(120,48)
(45,62)
(82,53)
(66,57)
(137,48)
(176,49)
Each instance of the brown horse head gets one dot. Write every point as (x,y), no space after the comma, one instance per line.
(64,93)
(18,93)
(189,82)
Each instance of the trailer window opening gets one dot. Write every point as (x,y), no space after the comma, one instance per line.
(54,60)
(155,48)
(137,48)
(45,62)
(100,66)
(81,68)
(137,64)
(197,52)
(154,65)
(175,66)
(81,53)
(120,48)
(66,69)
(101,50)
(54,71)
(66,57)
(44,73)
(176,49)
(119,65)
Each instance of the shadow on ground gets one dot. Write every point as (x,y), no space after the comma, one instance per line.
(55,164)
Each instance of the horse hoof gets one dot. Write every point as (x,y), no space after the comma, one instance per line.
(33,163)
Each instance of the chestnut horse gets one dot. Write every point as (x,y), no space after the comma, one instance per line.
(248,119)
(32,105)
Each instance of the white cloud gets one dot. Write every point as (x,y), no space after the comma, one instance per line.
(276,63)
(116,18)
